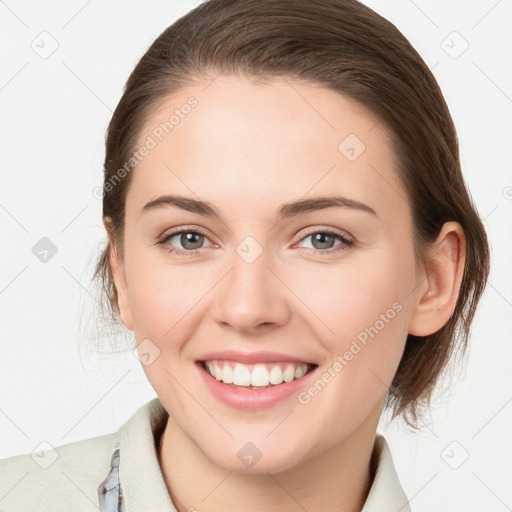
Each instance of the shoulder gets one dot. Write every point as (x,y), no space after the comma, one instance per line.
(61,478)
(67,477)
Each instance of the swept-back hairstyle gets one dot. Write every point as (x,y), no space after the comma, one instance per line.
(346,47)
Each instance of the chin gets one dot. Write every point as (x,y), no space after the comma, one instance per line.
(258,458)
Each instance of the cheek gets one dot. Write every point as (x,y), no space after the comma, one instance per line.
(368,317)
(162,295)
(363,313)
(167,307)
(350,298)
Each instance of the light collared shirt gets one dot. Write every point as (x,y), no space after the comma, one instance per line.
(120,472)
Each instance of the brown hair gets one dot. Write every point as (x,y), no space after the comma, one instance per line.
(346,47)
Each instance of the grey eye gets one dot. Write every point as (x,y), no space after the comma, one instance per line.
(323,240)
(189,240)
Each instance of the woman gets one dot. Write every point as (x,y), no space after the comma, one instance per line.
(292,244)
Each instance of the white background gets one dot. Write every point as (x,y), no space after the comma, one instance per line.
(54,115)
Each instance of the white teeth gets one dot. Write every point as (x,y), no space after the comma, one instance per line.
(260,376)
(217,371)
(300,371)
(276,375)
(241,376)
(289,373)
(227,374)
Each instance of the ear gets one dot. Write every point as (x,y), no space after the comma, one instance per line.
(437,297)
(119,276)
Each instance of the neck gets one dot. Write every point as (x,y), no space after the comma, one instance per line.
(338,479)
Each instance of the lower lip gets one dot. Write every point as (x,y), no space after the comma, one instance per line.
(252,399)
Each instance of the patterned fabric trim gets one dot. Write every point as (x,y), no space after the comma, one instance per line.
(109,492)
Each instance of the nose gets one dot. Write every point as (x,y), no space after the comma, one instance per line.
(252,298)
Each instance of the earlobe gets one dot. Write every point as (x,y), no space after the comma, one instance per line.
(119,276)
(442,280)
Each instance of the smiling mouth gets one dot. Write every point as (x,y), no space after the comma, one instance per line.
(255,376)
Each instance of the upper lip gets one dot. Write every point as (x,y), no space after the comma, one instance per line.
(253,357)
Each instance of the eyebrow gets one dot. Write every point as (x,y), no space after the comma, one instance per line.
(286,210)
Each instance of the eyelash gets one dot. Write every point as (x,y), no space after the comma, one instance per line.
(346,243)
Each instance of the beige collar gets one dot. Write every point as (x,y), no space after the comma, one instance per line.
(143,485)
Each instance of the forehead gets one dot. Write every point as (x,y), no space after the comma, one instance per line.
(237,140)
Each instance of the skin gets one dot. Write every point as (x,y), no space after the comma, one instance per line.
(247,148)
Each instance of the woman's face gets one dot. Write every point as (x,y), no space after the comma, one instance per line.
(273,273)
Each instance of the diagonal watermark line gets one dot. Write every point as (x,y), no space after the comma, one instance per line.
(500,294)
(384,179)
(211,81)
(490,213)
(215,488)
(319,180)
(484,426)
(386,385)
(5,495)
(193,192)
(286,491)
(199,403)
(301,300)
(414,496)
(197,302)
(14,218)
(420,283)
(308,103)
(15,75)
(14,424)
(13,13)
(375,124)
(308,191)
(80,489)
(486,14)
(96,403)
(85,85)
(76,14)
(74,218)
(431,431)
(491,80)
(424,14)
(13,279)
(280,422)
(508,508)
(81,285)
